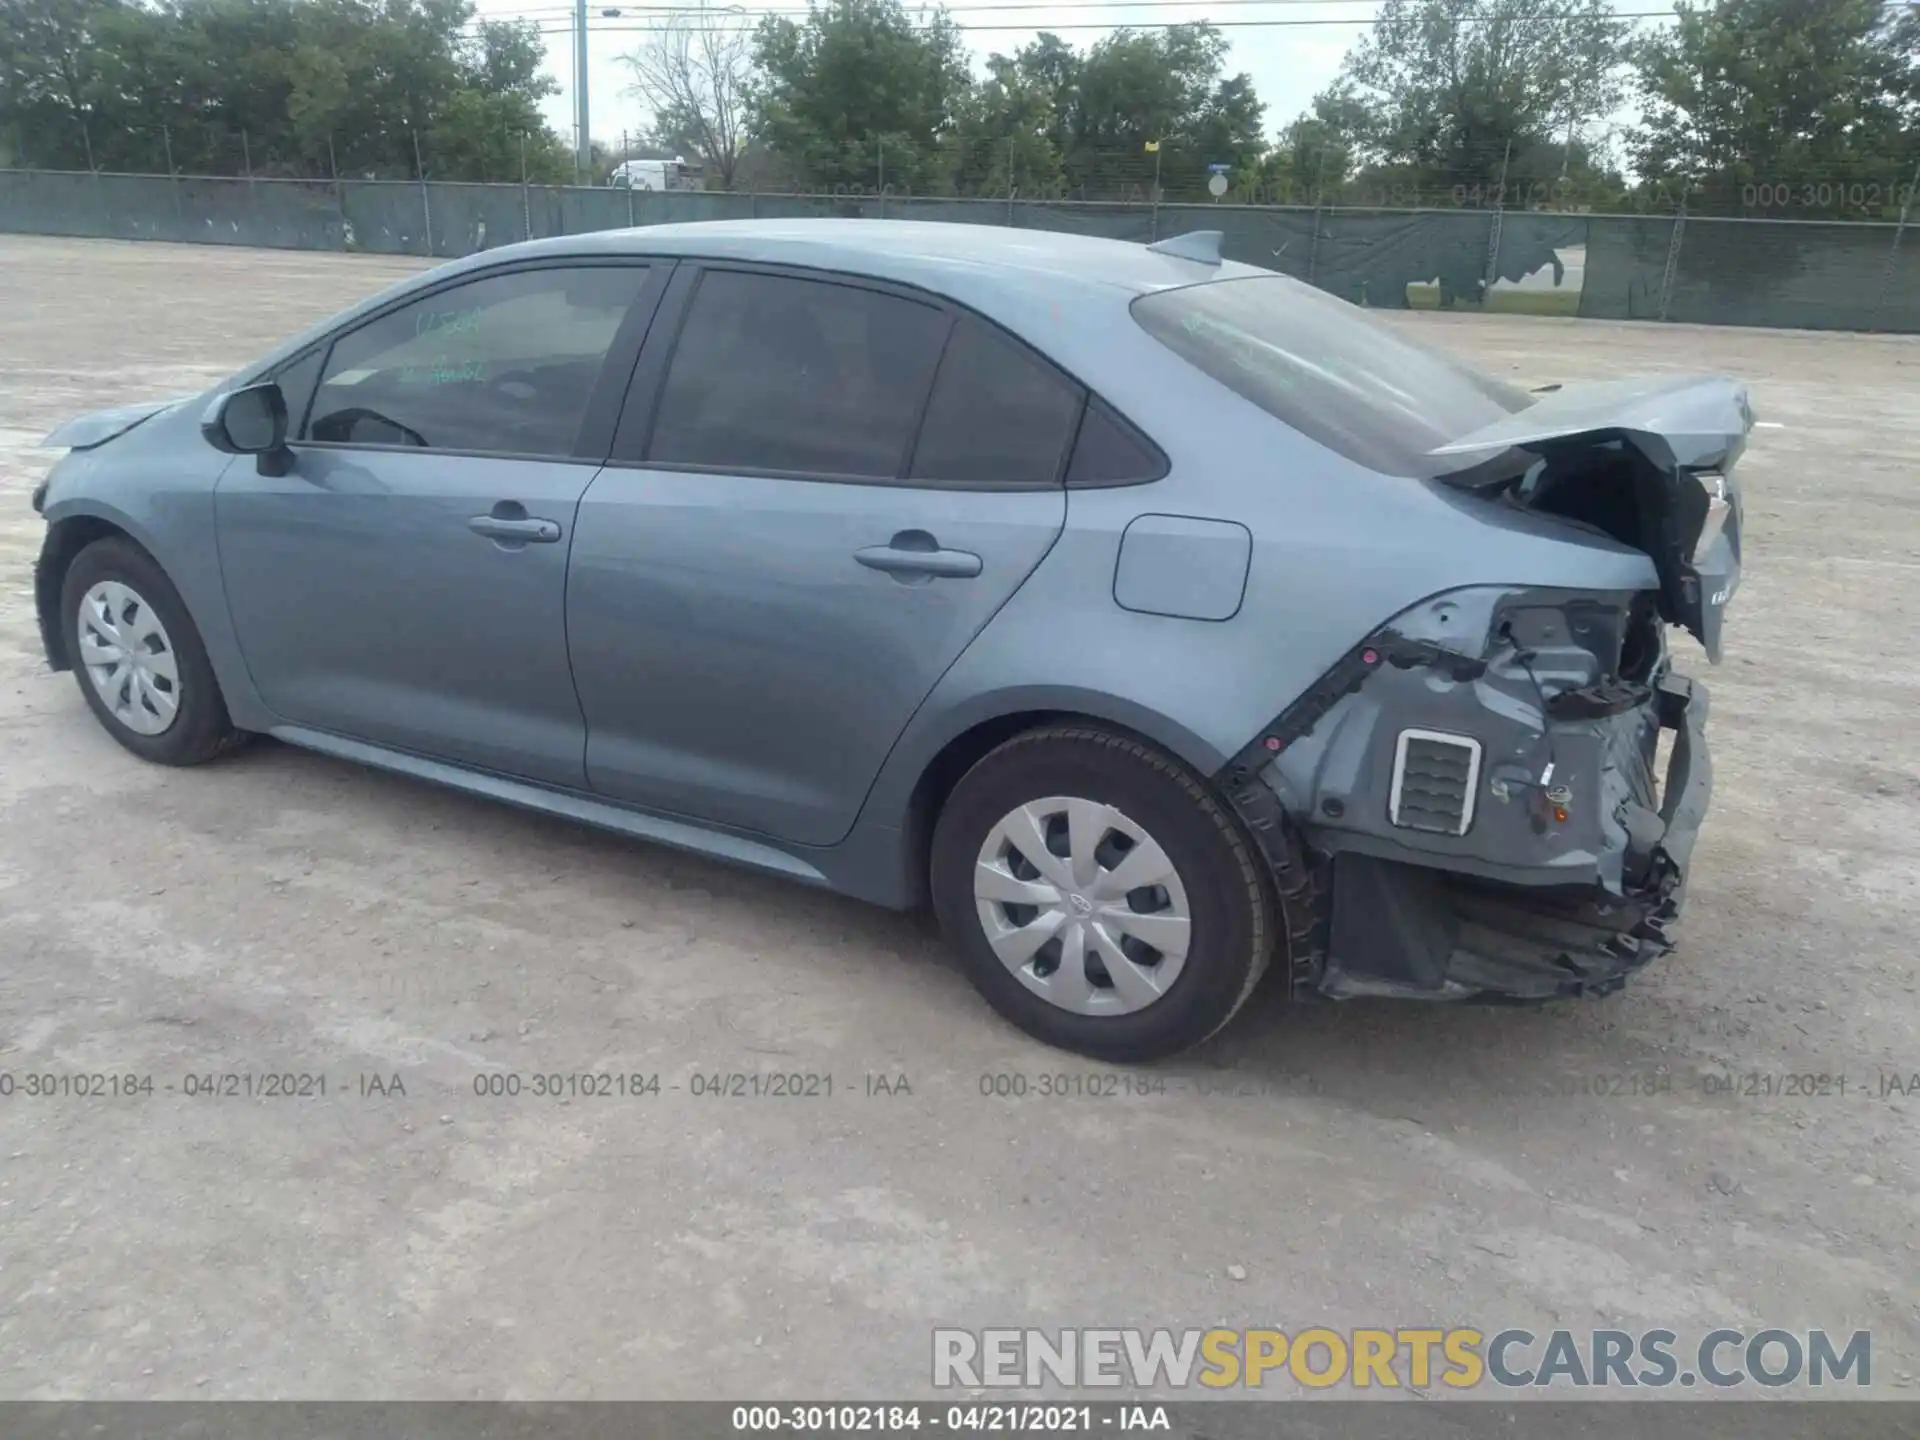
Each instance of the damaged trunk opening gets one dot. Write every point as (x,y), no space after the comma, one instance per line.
(1648,463)
(1476,784)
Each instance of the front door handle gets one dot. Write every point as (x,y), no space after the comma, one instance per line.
(914,554)
(509,524)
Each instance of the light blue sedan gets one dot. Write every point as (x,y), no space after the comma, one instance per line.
(1155,618)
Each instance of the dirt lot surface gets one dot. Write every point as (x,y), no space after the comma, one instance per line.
(1364,1164)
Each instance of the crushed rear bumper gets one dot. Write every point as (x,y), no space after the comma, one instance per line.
(1410,930)
(1568,870)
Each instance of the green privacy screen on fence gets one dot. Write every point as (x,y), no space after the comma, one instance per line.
(1813,275)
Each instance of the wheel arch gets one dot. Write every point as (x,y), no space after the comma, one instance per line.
(180,543)
(67,535)
(914,785)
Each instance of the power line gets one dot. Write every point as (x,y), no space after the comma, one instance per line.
(616,28)
(554,13)
(533,12)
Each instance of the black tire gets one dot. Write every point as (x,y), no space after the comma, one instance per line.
(1236,923)
(200,729)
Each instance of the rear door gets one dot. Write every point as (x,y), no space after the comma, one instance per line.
(404,582)
(822,489)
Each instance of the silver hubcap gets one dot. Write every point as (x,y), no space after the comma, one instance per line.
(129,657)
(1083,906)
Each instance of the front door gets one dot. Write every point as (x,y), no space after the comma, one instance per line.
(405,582)
(839,487)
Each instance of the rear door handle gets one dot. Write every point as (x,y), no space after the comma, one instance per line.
(915,553)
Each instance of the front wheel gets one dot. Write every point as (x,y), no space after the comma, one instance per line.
(138,657)
(1100,896)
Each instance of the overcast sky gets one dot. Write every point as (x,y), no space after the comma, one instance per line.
(1289,64)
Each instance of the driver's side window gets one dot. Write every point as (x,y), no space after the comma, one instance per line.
(503,365)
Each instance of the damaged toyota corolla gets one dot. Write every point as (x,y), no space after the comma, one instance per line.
(1156,618)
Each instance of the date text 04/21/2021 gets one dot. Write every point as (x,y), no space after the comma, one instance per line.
(968,1419)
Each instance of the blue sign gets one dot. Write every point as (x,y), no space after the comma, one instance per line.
(1216,168)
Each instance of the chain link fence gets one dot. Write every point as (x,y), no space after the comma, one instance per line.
(1810,274)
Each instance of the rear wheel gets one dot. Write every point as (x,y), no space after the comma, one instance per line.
(1099,895)
(138,657)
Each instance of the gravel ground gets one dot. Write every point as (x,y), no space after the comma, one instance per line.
(1362,1164)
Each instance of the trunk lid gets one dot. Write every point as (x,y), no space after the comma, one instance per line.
(1647,461)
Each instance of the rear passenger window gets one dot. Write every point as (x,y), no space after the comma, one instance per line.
(999,413)
(1111,452)
(777,373)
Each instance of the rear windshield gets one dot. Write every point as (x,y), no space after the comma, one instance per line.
(1333,372)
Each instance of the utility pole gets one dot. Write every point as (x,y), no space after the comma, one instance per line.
(583,157)
(1493,230)
(1899,233)
(1692,158)
(339,196)
(1673,246)
(426,202)
(173,179)
(1154,146)
(93,168)
(1313,249)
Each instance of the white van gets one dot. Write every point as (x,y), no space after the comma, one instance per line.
(675,174)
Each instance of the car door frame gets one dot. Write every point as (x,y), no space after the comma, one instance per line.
(593,441)
(593,437)
(633,433)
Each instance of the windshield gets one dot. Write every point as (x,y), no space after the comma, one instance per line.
(1333,372)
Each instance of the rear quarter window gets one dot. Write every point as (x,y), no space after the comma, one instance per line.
(1353,383)
(1109,451)
(999,415)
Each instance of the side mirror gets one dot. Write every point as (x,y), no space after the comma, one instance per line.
(252,421)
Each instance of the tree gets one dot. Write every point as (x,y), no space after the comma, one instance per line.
(695,72)
(1812,100)
(1311,163)
(286,87)
(1050,66)
(1163,86)
(374,76)
(52,81)
(1442,95)
(859,95)
(1003,138)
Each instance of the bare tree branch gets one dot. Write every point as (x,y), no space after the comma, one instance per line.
(694,73)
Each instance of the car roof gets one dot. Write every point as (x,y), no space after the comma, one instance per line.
(895,248)
(1047,286)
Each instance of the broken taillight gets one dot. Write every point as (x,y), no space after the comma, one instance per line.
(1718,508)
